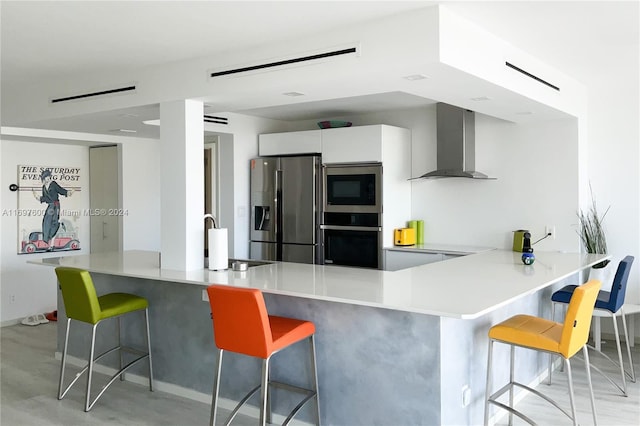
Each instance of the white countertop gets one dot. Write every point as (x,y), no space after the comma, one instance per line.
(465,287)
(441,248)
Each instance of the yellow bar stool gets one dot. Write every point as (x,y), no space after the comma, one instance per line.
(82,304)
(608,302)
(546,336)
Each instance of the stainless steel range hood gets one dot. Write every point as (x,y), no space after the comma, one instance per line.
(456,143)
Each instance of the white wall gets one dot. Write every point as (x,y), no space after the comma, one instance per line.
(614,164)
(536,169)
(34,287)
(141,195)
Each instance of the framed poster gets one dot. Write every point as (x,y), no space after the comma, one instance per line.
(47,211)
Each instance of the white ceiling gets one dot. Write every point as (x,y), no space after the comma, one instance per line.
(587,40)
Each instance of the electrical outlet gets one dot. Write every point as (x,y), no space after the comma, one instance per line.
(13,298)
(205,296)
(550,229)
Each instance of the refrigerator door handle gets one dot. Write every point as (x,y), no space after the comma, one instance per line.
(276,202)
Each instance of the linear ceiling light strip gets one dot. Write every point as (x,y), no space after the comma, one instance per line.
(538,79)
(89,95)
(285,62)
(214,119)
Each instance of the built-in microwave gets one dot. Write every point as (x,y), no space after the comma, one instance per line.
(352,188)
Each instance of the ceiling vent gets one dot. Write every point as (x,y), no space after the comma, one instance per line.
(532,76)
(288,61)
(216,120)
(126,89)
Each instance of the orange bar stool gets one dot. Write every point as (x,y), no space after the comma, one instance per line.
(564,339)
(83,304)
(242,325)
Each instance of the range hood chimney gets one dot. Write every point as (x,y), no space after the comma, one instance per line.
(456,143)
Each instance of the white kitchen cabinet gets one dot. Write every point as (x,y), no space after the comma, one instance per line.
(352,144)
(305,142)
(395,260)
(375,144)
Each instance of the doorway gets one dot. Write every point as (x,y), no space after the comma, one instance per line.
(104,188)
(211,180)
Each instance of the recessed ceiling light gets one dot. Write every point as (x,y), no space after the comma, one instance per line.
(155,122)
(123,131)
(128,115)
(293,94)
(415,77)
(481,98)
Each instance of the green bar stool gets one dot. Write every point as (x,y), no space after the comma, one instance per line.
(83,304)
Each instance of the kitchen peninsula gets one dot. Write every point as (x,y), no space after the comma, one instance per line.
(393,347)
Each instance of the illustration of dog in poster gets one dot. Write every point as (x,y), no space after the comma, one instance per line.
(47,211)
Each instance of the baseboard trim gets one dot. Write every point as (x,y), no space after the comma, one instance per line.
(205,398)
(9,323)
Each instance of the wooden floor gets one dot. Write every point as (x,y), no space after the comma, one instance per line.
(612,408)
(29,375)
(28,389)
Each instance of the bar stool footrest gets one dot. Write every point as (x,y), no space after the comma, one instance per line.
(309,395)
(115,376)
(605,375)
(142,356)
(493,400)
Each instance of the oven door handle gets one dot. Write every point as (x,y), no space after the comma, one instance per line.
(350,228)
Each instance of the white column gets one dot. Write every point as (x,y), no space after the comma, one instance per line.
(182,185)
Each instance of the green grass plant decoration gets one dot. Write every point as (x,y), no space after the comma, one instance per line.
(592,232)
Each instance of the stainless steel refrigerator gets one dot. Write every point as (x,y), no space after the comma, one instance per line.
(285,209)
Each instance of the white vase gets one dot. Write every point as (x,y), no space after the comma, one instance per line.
(605,275)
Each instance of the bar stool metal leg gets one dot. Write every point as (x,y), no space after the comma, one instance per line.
(315,378)
(553,318)
(88,405)
(622,373)
(216,390)
(146,319)
(512,362)
(587,367)
(571,395)
(62,393)
(627,338)
(118,333)
(264,389)
(268,409)
(489,384)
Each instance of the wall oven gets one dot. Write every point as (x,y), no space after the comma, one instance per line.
(352,188)
(352,239)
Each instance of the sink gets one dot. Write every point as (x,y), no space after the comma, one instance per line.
(250,263)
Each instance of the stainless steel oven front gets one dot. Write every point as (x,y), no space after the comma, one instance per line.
(352,239)
(352,188)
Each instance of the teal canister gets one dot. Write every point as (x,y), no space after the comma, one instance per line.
(420,232)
